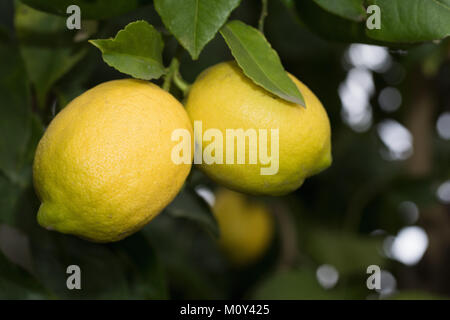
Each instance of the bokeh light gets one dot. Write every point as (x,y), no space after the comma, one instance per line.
(390,99)
(409,212)
(397,139)
(443,126)
(327,275)
(409,245)
(206,194)
(388,284)
(375,58)
(355,93)
(443,192)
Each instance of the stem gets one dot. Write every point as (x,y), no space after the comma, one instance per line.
(289,248)
(180,83)
(171,70)
(419,121)
(173,75)
(263,15)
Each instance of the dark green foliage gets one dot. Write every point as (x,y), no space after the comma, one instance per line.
(329,220)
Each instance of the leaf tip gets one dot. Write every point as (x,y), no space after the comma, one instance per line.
(95,43)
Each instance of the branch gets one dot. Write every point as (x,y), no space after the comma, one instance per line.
(173,75)
(263,15)
(171,70)
(181,83)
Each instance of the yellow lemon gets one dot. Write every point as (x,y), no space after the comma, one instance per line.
(246,226)
(297,139)
(104,168)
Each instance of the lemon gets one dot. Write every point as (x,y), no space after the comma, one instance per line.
(223,98)
(103,168)
(246,226)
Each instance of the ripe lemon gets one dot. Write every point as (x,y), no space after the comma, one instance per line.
(223,98)
(246,226)
(103,168)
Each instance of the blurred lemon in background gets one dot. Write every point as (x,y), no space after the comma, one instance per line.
(246,227)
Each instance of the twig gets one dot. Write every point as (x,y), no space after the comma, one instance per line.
(173,75)
(289,247)
(171,70)
(181,83)
(263,15)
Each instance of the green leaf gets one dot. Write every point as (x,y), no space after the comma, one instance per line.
(74,84)
(349,9)
(194,22)
(6,18)
(16,283)
(127,269)
(37,130)
(300,284)
(11,189)
(402,21)
(416,295)
(412,20)
(15,111)
(103,275)
(19,128)
(330,26)
(46,46)
(259,61)
(146,275)
(189,205)
(136,50)
(348,253)
(90,9)
(191,259)
(9,195)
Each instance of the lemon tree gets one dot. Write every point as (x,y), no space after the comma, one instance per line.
(284,114)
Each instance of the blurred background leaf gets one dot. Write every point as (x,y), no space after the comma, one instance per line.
(91,9)
(190,257)
(16,283)
(349,254)
(189,205)
(328,25)
(15,112)
(343,20)
(297,284)
(45,44)
(350,9)
(107,272)
(9,195)
(101,273)
(416,295)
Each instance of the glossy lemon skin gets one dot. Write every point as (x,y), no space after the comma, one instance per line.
(103,168)
(223,98)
